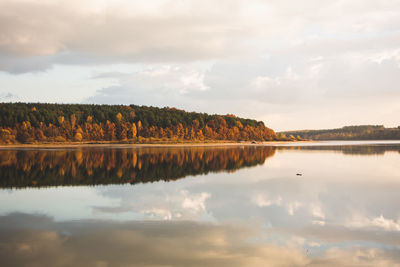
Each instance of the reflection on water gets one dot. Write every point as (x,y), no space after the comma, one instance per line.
(31,240)
(36,168)
(342,211)
(101,166)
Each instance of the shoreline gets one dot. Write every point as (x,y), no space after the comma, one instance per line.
(195,144)
(132,145)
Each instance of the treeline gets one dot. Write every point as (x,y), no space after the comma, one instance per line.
(37,122)
(362,132)
(359,150)
(101,166)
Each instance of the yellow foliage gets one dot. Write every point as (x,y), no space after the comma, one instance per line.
(4,132)
(120,173)
(119,116)
(78,137)
(79,157)
(239,124)
(59,139)
(134,130)
(60,119)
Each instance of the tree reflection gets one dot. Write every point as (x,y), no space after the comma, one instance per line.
(38,168)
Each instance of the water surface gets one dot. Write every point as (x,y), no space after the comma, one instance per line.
(319,204)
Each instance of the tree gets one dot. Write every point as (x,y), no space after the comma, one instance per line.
(110,131)
(73,121)
(133,131)
(6,136)
(139,127)
(60,120)
(118,122)
(24,133)
(119,117)
(39,135)
(121,131)
(78,137)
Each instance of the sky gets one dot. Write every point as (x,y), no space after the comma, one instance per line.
(292,64)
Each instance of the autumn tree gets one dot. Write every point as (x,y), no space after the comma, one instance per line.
(132,131)
(59,122)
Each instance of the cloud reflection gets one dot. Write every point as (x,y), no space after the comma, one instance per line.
(342,212)
(34,240)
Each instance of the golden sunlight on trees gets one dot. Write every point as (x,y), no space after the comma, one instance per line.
(60,120)
(78,137)
(121,124)
(119,117)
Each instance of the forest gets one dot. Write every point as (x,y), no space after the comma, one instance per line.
(51,123)
(361,132)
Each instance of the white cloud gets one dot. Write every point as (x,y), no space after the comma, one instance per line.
(261,201)
(8,97)
(292,207)
(177,204)
(157,213)
(380,222)
(195,203)
(317,212)
(318,222)
(161,85)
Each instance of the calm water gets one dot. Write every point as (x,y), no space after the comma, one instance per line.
(202,206)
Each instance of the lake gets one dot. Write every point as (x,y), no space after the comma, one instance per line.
(308,204)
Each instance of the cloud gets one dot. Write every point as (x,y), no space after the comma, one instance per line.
(357,257)
(192,206)
(157,203)
(380,223)
(195,203)
(158,213)
(88,243)
(8,97)
(261,201)
(38,240)
(164,85)
(292,207)
(70,32)
(282,91)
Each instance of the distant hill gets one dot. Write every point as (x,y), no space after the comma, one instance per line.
(37,122)
(361,132)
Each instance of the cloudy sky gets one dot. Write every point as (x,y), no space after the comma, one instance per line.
(293,64)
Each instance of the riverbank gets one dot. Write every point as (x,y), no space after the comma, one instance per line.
(136,145)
